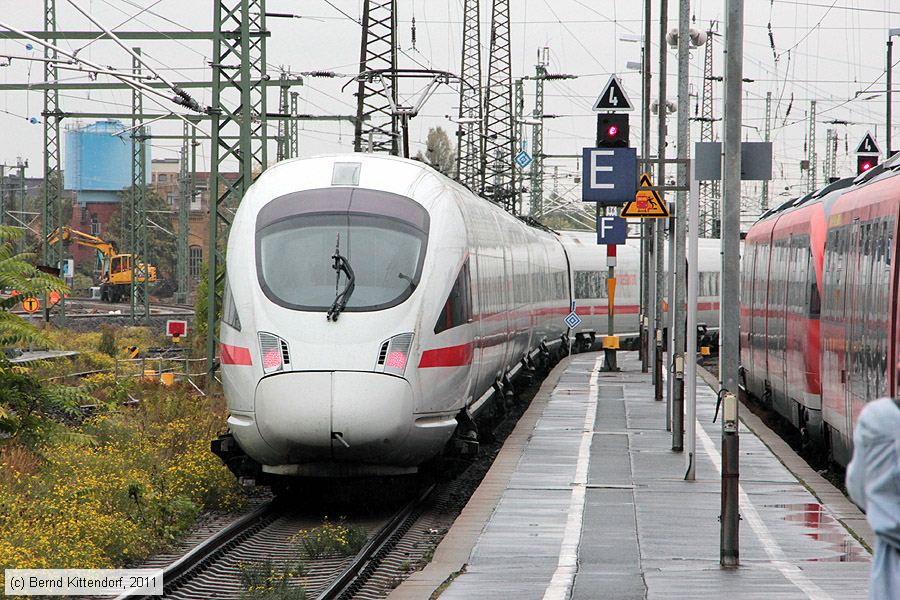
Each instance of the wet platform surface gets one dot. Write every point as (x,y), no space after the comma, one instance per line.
(596,506)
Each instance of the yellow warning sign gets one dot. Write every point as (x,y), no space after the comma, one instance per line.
(31,305)
(647,203)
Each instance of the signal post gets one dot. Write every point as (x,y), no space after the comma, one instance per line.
(610,174)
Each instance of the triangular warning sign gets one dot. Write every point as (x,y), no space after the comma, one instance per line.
(613,98)
(647,203)
(868,145)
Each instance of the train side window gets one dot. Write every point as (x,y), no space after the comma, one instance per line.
(590,284)
(457,310)
(815,300)
(229,311)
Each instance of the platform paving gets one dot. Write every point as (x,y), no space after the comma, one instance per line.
(595,505)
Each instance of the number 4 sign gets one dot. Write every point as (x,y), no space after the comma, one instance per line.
(613,98)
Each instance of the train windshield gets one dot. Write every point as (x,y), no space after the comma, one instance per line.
(382,236)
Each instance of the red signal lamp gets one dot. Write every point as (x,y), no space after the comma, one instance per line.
(865,163)
(612,130)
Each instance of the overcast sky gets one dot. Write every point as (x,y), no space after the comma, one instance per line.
(824,50)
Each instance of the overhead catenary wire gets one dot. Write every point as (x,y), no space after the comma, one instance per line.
(181,97)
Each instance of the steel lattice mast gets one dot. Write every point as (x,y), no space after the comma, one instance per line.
(51,215)
(709,190)
(238,130)
(140,293)
(182,272)
(831,140)
(811,149)
(498,173)
(764,200)
(294,128)
(284,108)
(471,110)
(376,123)
(537,135)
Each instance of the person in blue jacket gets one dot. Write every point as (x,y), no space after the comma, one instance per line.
(873,481)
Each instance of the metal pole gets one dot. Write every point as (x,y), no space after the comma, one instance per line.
(20,204)
(811,173)
(684,135)
(294,128)
(661,180)
(730,300)
(690,364)
(670,315)
(646,226)
(53,182)
(764,201)
(611,362)
(890,77)
(184,201)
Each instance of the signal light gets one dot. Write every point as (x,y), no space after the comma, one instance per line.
(865,163)
(612,130)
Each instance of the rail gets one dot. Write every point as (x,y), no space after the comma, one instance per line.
(365,563)
(213,546)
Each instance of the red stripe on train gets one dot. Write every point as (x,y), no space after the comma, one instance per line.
(234,355)
(452,356)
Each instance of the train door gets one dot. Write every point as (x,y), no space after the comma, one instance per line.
(747,266)
(853,323)
(864,339)
(789,275)
(758,316)
(509,301)
(478,309)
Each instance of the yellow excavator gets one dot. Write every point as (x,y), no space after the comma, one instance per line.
(115,275)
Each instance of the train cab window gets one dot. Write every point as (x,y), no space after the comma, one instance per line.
(383,237)
(457,309)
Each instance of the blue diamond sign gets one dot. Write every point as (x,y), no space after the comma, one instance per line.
(523,159)
(573,320)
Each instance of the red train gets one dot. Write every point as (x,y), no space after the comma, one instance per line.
(819,306)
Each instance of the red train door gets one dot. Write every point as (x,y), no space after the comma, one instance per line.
(854,294)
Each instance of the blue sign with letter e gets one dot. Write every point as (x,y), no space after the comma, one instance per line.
(609,175)
(612,229)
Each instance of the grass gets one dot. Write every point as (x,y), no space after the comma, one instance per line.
(268,580)
(332,539)
(111,489)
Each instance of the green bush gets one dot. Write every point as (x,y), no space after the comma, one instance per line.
(107,343)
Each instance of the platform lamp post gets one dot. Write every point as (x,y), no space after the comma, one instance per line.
(890,76)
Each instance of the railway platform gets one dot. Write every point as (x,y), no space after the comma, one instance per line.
(587,500)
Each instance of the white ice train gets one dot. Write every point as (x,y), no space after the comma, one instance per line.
(373,308)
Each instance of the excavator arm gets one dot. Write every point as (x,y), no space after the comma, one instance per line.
(82,239)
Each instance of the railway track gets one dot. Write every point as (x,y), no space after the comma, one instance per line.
(212,569)
(399,543)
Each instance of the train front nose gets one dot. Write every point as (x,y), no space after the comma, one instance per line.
(340,415)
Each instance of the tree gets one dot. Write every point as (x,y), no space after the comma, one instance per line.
(162,243)
(439,152)
(17,272)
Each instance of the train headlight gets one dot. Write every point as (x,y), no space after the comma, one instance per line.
(394,354)
(274,352)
